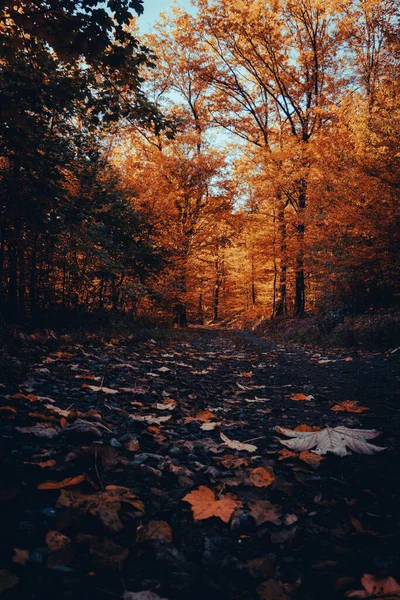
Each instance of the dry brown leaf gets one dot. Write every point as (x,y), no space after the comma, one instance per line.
(311,458)
(146,595)
(204,505)
(107,554)
(233,462)
(167,405)
(236,445)
(83,427)
(56,540)
(58,485)
(350,406)
(40,430)
(375,587)
(210,426)
(8,411)
(21,557)
(332,440)
(97,388)
(153,531)
(7,580)
(263,511)
(285,453)
(272,590)
(261,568)
(150,419)
(262,477)
(105,505)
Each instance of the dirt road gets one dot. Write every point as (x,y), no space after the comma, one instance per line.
(147,417)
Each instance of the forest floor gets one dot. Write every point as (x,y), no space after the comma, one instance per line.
(102,443)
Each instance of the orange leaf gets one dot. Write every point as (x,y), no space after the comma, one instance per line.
(8,409)
(285,453)
(43,465)
(204,504)
(302,397)
(349,406)
(58,485)
(261,477)
(311,458)
(205,416)
(304,427)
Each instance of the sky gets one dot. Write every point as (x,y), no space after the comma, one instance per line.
(152,8)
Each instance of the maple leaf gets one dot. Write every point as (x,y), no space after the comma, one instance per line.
(235,445)
(204,505)
(332,440)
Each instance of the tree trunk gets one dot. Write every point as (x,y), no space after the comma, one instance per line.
(280,308)
(32,284)
(299,303)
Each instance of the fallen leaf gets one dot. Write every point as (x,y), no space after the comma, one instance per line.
(167,405)
(350,406)
(105,505)
(261,568)
(272,590)
(304,427)
(235,445)
(154,530)
(21,557)
(96,388)
(262,477)
(8,411)
(7,580)
(233,462)
(40,430)
(58,485)
(204,505)
(311,458)
(301,397)
(263,511)
(147,595)
(43,465)
(285,454)
(290,519)
(376,587)
(209,426)
(56,540)
(83,427)
(150,419)
(205,416)
(108,554)
(332,440)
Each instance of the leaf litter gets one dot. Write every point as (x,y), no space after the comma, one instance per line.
(141,501)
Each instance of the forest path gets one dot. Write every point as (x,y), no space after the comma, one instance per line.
(307,532)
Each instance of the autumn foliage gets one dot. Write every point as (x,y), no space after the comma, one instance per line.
(239,163)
